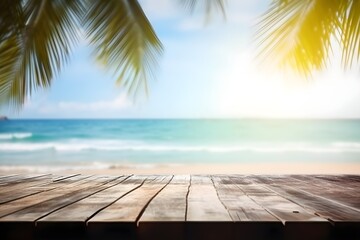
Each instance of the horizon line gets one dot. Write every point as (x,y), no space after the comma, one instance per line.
(189,118)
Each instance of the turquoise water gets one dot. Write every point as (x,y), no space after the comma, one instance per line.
(111,142)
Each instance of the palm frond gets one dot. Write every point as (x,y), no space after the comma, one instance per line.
(9,53)
(351,33)
(36,54)
(207,5)
(11,18)
(124,41)
(299,33)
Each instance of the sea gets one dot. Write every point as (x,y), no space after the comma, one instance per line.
(113,143)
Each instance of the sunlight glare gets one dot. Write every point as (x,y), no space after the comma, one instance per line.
(246,90)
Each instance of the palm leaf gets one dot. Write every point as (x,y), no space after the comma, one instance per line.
(351,33)
(299,33)
(124,41)
(207,5)
(37,36)
(11,18)
(36,54)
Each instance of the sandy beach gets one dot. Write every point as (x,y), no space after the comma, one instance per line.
(244,168)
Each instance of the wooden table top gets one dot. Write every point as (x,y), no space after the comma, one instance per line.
(76,206)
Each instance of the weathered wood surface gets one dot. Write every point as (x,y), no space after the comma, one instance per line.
(203,202)
(180,207)
(170,204)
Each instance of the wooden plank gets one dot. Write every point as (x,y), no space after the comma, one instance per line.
(278,206)
(20,178)
(33,181)
(240,206)
(294,217)
(349,182)
(5,177)
(337,195)
(244,180)
(170,203)
(353,177)
(330,182)
(13,177)
(322,207)
(284,209)
(68,196)
(61,178)
(203,202)
(345,221)
(11,196)
(70,222)
(82,210)
(248,186)
(234,199)
(336,188)
(16,186)
(45,193)
(164,217)
(119,220)
(128,208)
(25,219)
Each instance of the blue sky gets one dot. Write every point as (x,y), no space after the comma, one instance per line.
(207,71)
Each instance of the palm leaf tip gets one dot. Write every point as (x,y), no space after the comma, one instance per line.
(208,5)
(351,33)
(125,41)
(300,34)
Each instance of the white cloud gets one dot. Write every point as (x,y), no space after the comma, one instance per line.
(119,103)
(79,108)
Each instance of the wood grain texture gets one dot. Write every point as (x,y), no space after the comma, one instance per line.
(170,203)
(7,176)
(203,201)
(180,207)
(35,212)
(335,189)
(33,190)
(23,185)
(45,193)
(322,207)
(240,206)
(19,178)
(84,209)
(129,207)
(280,207)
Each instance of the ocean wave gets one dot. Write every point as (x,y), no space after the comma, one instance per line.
(114,145)
(7,136)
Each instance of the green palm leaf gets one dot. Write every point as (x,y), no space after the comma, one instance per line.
(124,41)
(11,18)
(207,5)
(37,37)
(37,53)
